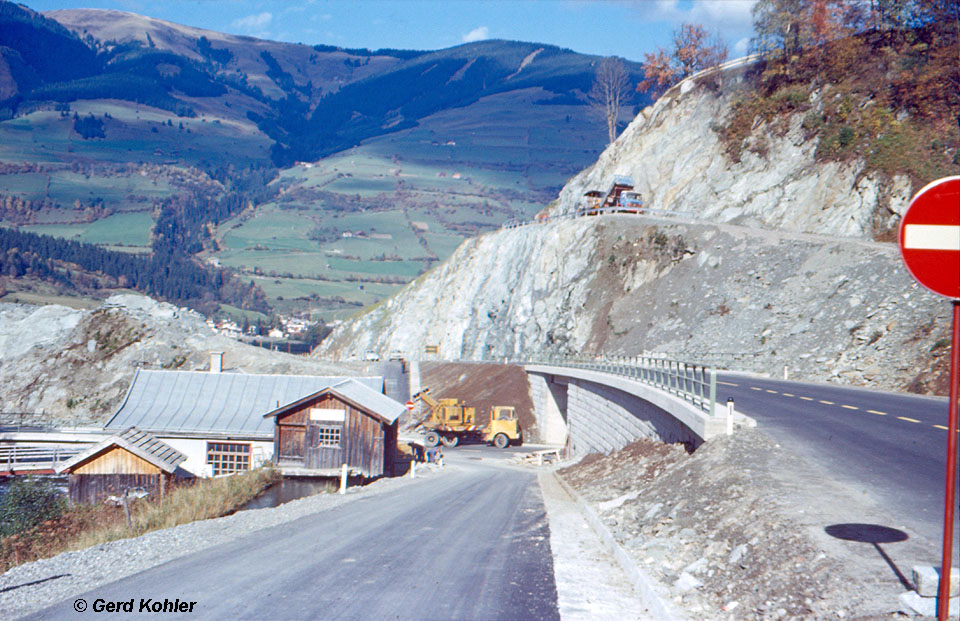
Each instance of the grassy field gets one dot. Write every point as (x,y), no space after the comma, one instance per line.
(421,191)
(122,229)
(83,526)
(385,210)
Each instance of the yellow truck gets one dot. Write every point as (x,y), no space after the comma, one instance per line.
(450,421)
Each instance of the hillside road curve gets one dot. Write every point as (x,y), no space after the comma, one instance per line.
(889,445)
(475,544)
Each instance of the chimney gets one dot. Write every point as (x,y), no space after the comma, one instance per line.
(216,361)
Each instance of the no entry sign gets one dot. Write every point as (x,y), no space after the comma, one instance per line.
(930,237)
(930,245)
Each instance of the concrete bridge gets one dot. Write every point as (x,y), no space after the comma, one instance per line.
(603,406)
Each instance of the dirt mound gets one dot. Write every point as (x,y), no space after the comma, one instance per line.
(741,528)
(483,386)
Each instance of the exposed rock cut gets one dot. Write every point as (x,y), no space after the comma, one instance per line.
(77,365)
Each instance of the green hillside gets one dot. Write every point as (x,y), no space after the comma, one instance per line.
(381,161)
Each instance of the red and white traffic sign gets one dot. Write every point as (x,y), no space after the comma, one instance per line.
(930,237)
(409,405)
(930,245)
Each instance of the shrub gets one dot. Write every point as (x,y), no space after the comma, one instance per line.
(846,136)
(29,502)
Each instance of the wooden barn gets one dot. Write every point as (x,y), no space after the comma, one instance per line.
(347,423)
(129,460)
(216,418)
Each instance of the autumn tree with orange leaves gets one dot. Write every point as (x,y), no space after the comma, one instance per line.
(693,50)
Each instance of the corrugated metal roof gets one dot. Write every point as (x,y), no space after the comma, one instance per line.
(377,403)
(140,443)
(198,401)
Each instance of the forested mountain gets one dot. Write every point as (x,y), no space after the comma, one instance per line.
(312,101)
(327,176)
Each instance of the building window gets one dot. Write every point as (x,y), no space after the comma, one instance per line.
(228,457)
(328,436)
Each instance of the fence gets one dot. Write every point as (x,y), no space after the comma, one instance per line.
(583,212)
(35,421)
(19,457)
(693,383)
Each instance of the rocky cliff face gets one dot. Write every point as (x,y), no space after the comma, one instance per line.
(78,365)
(743,282)
(825,308)
(678,163)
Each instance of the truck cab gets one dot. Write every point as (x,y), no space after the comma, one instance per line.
(504,427)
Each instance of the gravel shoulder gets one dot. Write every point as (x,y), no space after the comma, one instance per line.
(742,529)
(36,585)
(590,584)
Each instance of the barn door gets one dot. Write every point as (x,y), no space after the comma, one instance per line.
(291,442)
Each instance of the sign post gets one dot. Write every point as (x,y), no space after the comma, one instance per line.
(930,246)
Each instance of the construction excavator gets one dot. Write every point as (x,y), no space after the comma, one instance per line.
(450,421)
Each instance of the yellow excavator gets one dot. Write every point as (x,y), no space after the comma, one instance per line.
(450,421)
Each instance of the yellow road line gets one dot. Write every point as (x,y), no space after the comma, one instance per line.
(807,398)
(827,402)
(755,388)
(909,420)
(877,413)
(850,407)
(942,427)
(773,392)
(727,383)
(787,394)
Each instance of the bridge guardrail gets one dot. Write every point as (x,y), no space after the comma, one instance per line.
(22,421)
(694,383)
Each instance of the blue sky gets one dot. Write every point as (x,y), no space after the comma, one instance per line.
(626,28)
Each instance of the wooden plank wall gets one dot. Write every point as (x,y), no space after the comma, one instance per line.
(94,488)
(362,440)
(116,460)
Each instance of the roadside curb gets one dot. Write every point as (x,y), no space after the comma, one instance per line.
(641,582)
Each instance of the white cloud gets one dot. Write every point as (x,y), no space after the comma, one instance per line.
(714,14)
(477,34)
(741,47)
(724,14)
(731,19)
(253,22)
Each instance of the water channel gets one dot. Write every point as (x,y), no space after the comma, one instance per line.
(290,488)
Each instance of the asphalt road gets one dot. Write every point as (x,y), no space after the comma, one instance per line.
(892,445)
(474,544)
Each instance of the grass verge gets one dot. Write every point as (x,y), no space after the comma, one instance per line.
(85,525)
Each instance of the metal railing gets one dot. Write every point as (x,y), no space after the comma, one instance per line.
(37,421)
(584,212)
(19,457)
(693,383)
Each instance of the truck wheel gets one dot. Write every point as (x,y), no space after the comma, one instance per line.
(450,440)
(432,438)
(501,441)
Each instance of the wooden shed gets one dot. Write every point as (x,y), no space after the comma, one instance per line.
(347,423)
(129,460)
